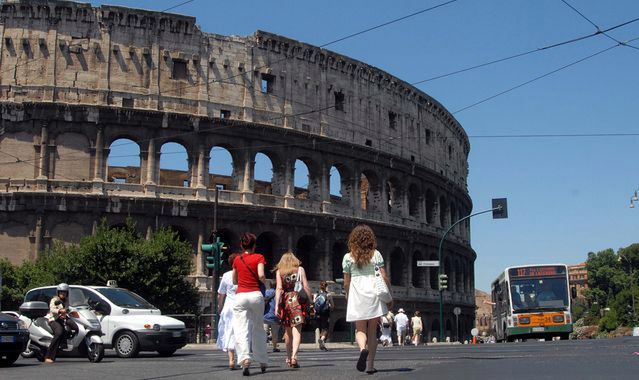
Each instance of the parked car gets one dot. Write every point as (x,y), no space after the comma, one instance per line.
(129,322)
(13,339)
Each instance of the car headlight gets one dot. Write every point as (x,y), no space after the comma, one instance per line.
(558,318)
(156,327)
(524,320)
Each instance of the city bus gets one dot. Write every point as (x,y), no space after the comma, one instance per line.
(532,301)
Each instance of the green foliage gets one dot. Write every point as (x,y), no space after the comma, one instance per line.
(155,268)
(609,321)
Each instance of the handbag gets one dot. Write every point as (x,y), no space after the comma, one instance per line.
(299,288)
(381,289)
(262,286)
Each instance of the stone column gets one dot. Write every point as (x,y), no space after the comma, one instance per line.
(43,173)
(289,188)
(198,255)
(151,157)
(356,195)
(411,266)
(202,166)
(38,237)
(99,155)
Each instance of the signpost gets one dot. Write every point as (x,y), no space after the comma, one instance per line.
(457,311)
(427,263)
(500,211)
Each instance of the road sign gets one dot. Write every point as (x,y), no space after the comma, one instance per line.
(456,311)
(474,331)
(427,263)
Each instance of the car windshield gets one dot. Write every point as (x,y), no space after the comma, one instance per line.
(125,298)
(539,294)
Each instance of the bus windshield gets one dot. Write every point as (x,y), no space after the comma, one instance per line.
(536,294)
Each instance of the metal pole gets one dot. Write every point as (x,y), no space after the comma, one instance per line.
(215,306)
(457,328)
(441,243)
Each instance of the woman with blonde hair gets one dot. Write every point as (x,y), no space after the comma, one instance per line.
(291,303)
(364,306)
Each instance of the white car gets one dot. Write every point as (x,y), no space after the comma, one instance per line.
(130,324)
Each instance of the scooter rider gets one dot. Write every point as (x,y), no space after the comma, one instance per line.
(57,317)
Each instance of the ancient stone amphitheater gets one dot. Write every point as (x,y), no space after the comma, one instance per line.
(76,78)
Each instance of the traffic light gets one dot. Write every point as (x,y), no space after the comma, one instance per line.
(215,255)
(443,282)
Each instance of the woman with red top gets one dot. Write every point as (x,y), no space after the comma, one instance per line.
(248,274)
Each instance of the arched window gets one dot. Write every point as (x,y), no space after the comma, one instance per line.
(221,169)
(175,169)
(263,174)
(123,162)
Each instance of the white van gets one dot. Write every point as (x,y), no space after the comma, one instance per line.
(130,324)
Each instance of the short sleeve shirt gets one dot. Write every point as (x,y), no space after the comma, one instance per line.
(349,266)
(226,286)
(247,280)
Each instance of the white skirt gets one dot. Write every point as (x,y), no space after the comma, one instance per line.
(225,335)
(363,302)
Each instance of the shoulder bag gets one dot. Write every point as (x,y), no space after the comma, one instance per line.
(299,288)
(381,289)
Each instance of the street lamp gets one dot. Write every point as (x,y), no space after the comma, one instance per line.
(500,211)
(632,282)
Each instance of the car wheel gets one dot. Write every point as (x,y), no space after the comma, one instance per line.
(8,359)
(165,353)
(126,345)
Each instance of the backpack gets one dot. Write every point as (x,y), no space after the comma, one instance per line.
(321,303)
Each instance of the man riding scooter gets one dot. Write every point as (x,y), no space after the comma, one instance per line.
(58,319)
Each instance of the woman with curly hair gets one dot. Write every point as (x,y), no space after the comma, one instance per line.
(290,307)
(363,305)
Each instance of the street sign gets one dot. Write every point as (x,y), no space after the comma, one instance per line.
(474,331)
(456,311)
(427,263)
(500,208)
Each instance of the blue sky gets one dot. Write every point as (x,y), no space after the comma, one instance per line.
(567,196)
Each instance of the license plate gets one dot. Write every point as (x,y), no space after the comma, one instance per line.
(176,334)
(7,339)
(538,329)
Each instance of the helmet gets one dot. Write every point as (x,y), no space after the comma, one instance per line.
(63,288)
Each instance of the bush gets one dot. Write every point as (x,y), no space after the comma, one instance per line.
(609,321)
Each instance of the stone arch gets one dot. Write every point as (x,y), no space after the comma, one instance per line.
(340,183)
(431,206)
(182,233)
(68,232)
(221,168)
(458,277)
(414,201)
(448,328)
(306,178)
(370,190)
(12,234)
(307,250)
(443,212)
(14,147)
(394,195)
(398,267)
(263,172)
(420,274)
(268,244)
(338,251)
(123,161)
(434,329)
(453,216)
(72,157)
(175,165)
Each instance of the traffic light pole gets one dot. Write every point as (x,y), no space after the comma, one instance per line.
(441,244)
(215,313)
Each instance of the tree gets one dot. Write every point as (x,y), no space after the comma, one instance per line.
(156,268)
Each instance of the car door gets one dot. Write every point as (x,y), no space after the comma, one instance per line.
(92,297)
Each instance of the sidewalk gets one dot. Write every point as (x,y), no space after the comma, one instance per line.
(303,346)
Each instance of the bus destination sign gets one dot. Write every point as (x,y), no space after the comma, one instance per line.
(537,271)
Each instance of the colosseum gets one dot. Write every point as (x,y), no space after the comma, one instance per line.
(78,80)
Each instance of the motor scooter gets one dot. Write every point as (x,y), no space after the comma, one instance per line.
(87,341)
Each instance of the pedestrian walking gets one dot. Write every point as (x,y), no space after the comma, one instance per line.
(417,326)
(323,304)
(207,333)
(271,321)
(364,306)
(386,327)
(401,325)
(292,303)
(248,312)
(225,303)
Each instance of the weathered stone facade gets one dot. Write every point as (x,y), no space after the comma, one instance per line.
(75,78)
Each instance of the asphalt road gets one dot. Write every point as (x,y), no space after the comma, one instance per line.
(593,359)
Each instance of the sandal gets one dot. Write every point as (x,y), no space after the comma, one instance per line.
(294,363)
(263,368)
(371,371)
(245,368)
(361,362)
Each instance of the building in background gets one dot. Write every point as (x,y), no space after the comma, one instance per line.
(578,277)
(484,312)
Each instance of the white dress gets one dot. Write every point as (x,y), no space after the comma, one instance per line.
(363,303)
(386,331)
(225,335)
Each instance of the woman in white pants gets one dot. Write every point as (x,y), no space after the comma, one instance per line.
(248,274)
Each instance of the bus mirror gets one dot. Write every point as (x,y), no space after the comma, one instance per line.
(573,292)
